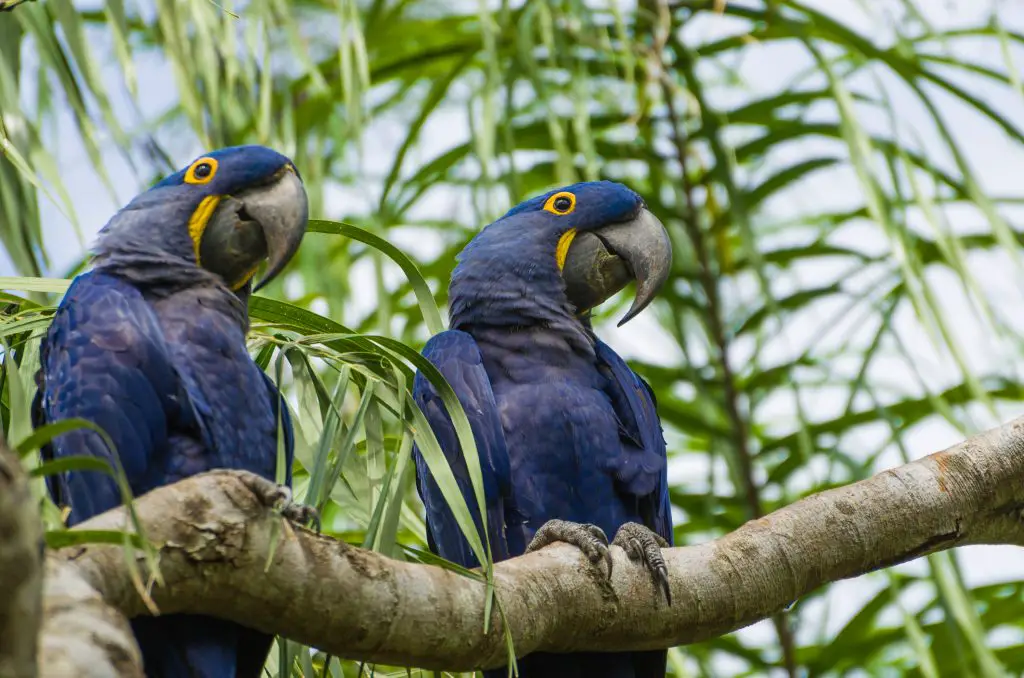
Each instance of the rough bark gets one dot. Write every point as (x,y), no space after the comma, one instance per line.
(215,533)
(21,570)
(59,618)
(81,634)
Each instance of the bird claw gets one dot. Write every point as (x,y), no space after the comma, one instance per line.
(588,538)
(642,544)
(279,497)
(295,512)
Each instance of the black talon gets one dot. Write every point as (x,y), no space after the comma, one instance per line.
(588,538)
(279,497)
(303,515)
(642,544)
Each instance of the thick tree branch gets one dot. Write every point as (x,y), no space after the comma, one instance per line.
(216,534)
(21,570)
(81,634)
(60,617)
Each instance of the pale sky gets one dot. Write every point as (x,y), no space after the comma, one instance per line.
(996,161)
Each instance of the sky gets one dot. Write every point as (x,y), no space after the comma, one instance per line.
(997,162)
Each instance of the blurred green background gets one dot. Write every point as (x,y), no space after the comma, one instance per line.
(843,182)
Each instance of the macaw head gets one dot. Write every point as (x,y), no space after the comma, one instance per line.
(227,211)
(585,242)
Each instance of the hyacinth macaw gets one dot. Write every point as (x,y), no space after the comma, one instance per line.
(150,345)
(570,444)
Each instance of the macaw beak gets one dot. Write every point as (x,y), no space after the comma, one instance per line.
(603,261)
(266,222)
(282,210)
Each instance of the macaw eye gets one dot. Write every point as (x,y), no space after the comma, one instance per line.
(561,203)
(201,171)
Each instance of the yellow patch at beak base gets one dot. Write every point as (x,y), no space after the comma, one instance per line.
(562,250)
(245,278)
(197,222)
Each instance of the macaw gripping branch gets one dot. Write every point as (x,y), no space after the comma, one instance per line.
(359,604)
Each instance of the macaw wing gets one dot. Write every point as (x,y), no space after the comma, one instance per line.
(104,359)
(642,468)
(214,367)
(457,357)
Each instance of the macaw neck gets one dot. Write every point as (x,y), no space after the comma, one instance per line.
(159,275)
(516,301)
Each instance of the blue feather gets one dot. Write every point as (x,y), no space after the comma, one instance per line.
(456,356)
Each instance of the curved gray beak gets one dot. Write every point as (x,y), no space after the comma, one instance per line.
(602,262)
(282,211)
(266,222)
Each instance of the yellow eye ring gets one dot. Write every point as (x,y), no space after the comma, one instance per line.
(202,171)
(561,203)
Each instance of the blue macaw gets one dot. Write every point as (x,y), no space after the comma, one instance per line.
(568,435)
(150,346)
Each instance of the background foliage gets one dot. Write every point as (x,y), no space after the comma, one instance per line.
(845,294)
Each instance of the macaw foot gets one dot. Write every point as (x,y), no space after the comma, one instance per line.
(588,538)
(279,497)
(641,544)
(297,513)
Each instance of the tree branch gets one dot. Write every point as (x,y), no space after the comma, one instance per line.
(58,618)
(216,533)
(21,572)
(81,634)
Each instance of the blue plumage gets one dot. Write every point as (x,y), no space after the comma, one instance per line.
(456,355)
(151,347)
(564,428)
